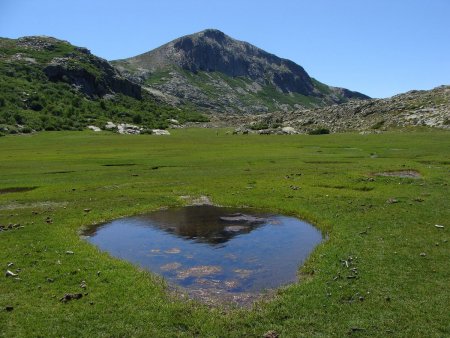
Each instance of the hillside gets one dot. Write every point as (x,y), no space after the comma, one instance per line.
(417,108)
(49,84)
(216,73)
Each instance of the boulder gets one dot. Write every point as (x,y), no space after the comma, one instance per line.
(94,128)
(288,130)
(131,129)
(109,125)
(160,132)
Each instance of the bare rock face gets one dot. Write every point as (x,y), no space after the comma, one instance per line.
(213,51)
(90,74)
(76,69)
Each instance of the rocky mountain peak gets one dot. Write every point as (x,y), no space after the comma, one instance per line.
(245,77)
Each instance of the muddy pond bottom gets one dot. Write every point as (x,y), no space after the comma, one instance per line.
(214,254)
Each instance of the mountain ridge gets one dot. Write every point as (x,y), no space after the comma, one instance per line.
(222,74)
(49,84)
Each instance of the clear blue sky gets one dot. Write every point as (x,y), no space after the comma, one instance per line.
(378,47)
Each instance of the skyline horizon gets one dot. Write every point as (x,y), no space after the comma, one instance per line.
(385,55)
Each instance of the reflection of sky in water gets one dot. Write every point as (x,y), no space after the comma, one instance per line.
(191,247)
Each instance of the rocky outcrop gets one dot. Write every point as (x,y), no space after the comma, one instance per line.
(427,108)
(88,73)
(221,74)
(91,75)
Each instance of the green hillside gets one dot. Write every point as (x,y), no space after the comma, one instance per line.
(49,84)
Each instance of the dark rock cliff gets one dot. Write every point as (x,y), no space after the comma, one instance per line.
(90,74)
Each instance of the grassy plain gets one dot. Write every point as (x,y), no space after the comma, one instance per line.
(383,272)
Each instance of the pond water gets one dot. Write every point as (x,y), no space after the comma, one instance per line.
(213,253)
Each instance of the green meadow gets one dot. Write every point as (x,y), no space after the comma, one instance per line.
(383,270)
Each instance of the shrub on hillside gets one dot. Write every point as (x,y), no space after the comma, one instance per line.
(319,131)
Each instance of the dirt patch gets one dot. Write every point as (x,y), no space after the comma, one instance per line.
(16,189)
(197,201)
(400,173)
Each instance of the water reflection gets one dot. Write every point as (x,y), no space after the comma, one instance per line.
(213,252)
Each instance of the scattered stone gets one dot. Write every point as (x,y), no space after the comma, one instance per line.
(271,334)
(10,264)
(68,252)
(10,274)
(199,271)
(243,273)
(423,254)
(391,201)
(130,129)
(50,280)
(87,210)
(160,132)
(70,296)
(231,284)
(439,226)
(94,128)
(110,126)
(170,266)
(83,284)
(288,130)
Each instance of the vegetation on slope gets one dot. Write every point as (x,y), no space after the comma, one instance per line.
(90,93)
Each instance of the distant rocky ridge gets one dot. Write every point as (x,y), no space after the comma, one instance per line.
(216,73)
(425,108)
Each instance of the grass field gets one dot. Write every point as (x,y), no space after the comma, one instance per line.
(395,256)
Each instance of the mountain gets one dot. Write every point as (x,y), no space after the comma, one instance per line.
(417,108)
(50,84)
(214,72)
(46,83)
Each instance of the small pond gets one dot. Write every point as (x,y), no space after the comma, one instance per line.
(213,253)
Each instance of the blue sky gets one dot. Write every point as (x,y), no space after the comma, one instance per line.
(378,47)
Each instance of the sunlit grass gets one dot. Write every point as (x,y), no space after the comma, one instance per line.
(400,283)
